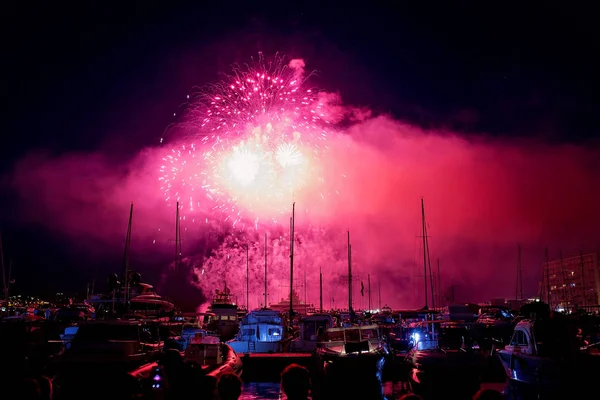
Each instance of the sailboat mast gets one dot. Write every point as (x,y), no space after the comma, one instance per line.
(349,277)
(4,280)
(379,290)
(369,287)
(177,238)
(320,290)
(305,296)
(431,285)
(292,222)
(519,289)
(265,270)
(9,278)
(548,280)
(125,267)
(424,251)
(247,278)
(439,284)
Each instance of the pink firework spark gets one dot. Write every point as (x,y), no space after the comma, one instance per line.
(253,143)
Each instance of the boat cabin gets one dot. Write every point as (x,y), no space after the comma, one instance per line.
(312,330)
(356,339)
(204,350)
(262,326)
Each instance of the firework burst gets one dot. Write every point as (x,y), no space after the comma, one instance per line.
(251,144)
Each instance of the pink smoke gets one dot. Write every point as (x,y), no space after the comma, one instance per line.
(482,197)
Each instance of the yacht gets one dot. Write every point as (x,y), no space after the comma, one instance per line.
(215,359)
(261,331)
(224,320)
(359,349)
(122,342)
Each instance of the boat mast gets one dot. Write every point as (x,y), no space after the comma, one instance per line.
(379,290)
(4,281)
(9,278)
(548,280)
(439,284)
(305,296)
(424,251)
(320,290)
(350,278)
(292,222)
(369,287)
(519,289)
(125,266)
(177,239)
(247,277)
(265,271)
(583,289)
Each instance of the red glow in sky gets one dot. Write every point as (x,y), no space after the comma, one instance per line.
(482,197)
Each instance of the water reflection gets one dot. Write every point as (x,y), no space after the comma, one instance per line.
(270,390)
(260,390)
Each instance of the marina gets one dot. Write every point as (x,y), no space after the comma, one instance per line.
(455,349)
(225,201)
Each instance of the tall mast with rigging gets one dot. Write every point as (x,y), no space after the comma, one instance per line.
(519,288)
(292,222)
(177,239)
(424,251)
(265,271)
(548,295)
(247,279)
(4,278)
(305,296)
(125,266)
(320,290)
(350,310)
(369,287)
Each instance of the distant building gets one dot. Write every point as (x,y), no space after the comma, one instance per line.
(572,282)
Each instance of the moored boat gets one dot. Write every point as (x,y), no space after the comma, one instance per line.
(311,332)
(359,349)
(110,344)
(261,331)
(224,320)
(214,357)
(544,359)
(441,363)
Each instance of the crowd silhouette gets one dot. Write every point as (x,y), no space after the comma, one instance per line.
(180,380)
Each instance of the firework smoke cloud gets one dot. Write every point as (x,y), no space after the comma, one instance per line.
(262,138)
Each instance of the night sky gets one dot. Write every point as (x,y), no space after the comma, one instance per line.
(91,76)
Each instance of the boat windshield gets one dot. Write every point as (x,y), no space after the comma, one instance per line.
(352,335)
(335,336)
(311,329)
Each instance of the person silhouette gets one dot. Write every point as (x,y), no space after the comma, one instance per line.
(295,382)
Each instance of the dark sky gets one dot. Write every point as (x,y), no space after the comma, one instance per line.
(89,75)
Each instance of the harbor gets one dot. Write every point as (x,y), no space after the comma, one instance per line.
(299,201)
(153,348)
